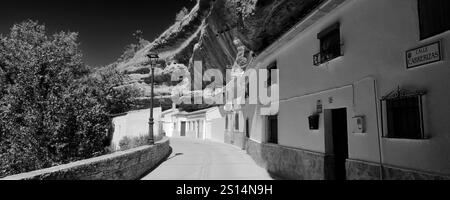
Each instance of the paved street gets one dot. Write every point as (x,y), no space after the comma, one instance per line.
(205,160)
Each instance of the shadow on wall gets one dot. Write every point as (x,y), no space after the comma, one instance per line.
(286,163)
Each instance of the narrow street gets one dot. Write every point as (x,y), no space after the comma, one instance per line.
(206,160)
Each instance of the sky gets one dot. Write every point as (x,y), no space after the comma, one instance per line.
(104,27)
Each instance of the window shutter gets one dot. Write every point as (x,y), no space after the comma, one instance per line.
(433,17)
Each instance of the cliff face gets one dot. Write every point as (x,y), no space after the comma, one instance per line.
(209,32)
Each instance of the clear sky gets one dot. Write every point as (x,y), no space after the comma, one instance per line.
(105,27)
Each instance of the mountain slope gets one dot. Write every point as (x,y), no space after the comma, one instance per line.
(208,34)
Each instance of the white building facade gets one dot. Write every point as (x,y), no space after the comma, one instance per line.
(364,94)
(207,124)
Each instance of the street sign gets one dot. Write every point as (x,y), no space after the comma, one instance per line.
(424,55)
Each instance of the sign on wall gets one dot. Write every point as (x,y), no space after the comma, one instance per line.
(424,55)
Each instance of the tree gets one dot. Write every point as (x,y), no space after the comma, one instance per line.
(52,109)
(110,88)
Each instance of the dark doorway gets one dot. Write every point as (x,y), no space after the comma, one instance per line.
(183,129)
(247,134)
(340,142)
(273,129)
(247,128)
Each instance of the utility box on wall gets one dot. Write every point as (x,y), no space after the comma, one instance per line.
(359,124)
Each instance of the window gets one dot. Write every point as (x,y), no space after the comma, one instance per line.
(404,115)
(330,45)
(236,122)
(270,79)
(433,17)
(273,129)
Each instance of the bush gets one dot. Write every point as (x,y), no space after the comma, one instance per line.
(130,143)
(126,143)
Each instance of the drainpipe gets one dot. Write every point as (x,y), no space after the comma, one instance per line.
(379,112)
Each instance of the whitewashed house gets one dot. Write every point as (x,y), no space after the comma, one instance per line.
(206,124)
(364,93)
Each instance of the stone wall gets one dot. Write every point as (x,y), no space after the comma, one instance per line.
(126,165)
(288,163)
(296,164)
(360,170)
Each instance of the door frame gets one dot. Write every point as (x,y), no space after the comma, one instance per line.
(333,171)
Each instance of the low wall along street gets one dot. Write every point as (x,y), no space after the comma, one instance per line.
(126,165)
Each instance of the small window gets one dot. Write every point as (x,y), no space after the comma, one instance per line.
(330,45)
(236,122)
(270,79)
(273,129)
(433,17)
(404,115)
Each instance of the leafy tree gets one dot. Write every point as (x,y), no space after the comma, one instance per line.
(113,92)
(52,110)
(245,8)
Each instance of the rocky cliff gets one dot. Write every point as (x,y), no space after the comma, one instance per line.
(208,34)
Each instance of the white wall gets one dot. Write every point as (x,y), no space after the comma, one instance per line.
(170,123)
(216,130)
(135,124)
(376,35)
